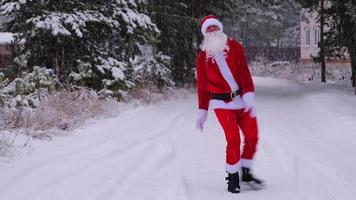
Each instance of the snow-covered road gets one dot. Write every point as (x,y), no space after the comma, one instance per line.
(306,151)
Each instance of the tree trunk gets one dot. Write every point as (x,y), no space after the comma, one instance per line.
(63,67)
(353,66)
(57,70)
(322,47)
(352,51)
(354,75)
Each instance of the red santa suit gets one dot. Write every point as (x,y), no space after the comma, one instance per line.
(225,72)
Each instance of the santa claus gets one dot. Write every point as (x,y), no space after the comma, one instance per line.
(225,85)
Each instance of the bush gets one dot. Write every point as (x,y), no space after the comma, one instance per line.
(29,90)
(152,71)
(63,110)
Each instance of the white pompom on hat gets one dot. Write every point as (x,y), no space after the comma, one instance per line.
(208,21)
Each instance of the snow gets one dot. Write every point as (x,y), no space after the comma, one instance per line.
(134,19)
(57,22)
(307,142)
(6,38)
(116,67)
(117,73)
(9,7)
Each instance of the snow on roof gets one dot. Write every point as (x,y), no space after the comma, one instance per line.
(7,38)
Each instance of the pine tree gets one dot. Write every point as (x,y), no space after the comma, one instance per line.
(266,23)
(86,42)
(342,33)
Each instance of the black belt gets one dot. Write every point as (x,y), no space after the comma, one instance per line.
(226,96)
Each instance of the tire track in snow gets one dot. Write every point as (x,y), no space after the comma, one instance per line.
(77,153)
(304,173)
(77,173)
(186,186)
(38,168)
(159,163)
(139,170)
(149,141)
(162,164)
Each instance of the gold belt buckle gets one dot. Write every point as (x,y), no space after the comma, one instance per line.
(232,95)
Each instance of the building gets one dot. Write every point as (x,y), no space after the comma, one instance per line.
(5,49)
(310,38)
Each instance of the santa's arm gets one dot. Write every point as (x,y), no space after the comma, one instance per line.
(246,84)
(203,94)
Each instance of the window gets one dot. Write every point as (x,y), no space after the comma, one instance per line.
(317,36)
(307,37)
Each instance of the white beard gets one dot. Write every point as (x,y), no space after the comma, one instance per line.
(214,42)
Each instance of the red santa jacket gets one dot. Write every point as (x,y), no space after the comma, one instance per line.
(224,73)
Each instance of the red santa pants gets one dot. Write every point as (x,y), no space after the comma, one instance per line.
(231,121)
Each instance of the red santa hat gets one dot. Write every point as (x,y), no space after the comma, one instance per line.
(208,21)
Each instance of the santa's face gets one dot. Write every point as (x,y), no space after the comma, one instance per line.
(214,40)
(212,28)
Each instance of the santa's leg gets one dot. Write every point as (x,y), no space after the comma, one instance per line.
(249,128)
(227,119)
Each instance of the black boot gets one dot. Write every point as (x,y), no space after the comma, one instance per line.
(250,179)
(233,182)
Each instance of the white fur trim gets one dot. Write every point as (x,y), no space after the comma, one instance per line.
(246,163)
(225,70)
(249,99)
(253,113)
(236,103)
(209,22)
(233,168)
(249,103)
(202,114)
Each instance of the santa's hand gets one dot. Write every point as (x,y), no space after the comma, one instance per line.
(249,103)
(251,110)
(201,119)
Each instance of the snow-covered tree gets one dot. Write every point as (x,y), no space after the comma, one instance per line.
(152,71)
(266,23)
(28,90)
(94,37)
(3,82)
(341,17)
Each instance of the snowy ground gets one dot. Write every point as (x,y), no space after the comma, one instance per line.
(307,142)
